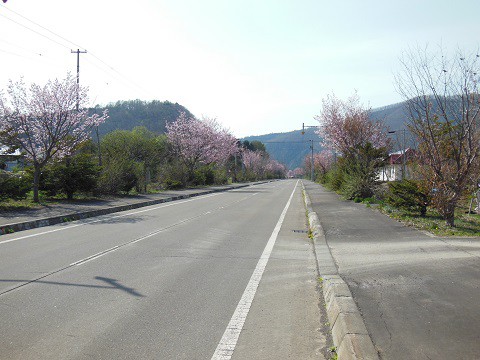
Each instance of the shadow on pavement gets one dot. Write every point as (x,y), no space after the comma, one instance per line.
(114,284)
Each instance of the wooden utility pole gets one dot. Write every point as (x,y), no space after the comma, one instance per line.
(312,162)
(78,52)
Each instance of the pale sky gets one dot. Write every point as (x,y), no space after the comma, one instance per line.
(257,66)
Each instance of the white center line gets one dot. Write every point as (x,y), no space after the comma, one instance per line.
(227,344)
(105,218)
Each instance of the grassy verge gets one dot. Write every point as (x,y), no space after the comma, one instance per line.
(28,204)
(465,224)
(12,205)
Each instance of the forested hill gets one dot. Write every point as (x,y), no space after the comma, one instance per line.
(125,115)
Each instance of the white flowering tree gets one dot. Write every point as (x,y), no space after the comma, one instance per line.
(43,121)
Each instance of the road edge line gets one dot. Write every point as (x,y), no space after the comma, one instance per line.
(349,333)
(228,342)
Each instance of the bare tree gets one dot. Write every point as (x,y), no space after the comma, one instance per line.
(443,104)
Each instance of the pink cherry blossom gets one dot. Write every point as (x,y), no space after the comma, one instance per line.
(346,125)
(43,120)
(198,142)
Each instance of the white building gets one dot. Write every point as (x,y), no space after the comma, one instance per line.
(397,166)
(9,160)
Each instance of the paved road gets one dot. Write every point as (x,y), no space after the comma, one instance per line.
(163,282)
(419,296)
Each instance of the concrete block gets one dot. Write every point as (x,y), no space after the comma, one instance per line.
(347,323)
(339,305)
(336,289)
(357,347)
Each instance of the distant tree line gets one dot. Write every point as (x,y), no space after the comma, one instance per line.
(63,160)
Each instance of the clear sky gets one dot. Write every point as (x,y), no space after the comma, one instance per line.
(258,66)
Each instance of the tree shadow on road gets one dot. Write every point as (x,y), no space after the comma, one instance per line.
(113,284)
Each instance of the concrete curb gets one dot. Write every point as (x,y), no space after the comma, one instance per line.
(350,336)
(15,227)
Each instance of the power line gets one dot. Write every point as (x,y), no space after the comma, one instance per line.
(36,32)
(40,26)
(127,81)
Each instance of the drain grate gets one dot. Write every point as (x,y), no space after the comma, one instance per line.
(300,231)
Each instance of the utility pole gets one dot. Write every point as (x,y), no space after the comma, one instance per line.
(312,173)
(403,152)
(78,52)
(312,163)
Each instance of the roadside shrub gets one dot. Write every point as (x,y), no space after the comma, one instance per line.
(333,179)
(171,174)
(357,186)
(68,176)
(408,195)
(171,184)
(14,185)
(204,175)
(118,177)
(221,176)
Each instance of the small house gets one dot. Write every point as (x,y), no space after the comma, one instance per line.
(8,159)
(396,167)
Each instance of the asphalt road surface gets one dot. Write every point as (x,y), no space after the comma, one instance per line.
(172,281)
(419,295)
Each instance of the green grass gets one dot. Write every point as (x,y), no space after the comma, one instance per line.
(465,224)
(12,205)
(28,204)
(332,350)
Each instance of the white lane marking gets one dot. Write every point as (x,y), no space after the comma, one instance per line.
(95,256)
(158,231)
(227,344)
(109,217)
(105,252)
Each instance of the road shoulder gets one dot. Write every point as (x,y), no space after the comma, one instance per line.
(287,317)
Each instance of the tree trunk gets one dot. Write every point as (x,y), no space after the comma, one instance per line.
(449,214)
(69,187)
(99,148)
(36,182)
(478,201)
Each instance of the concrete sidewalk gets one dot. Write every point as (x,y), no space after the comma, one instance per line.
(45,215)
(417,295)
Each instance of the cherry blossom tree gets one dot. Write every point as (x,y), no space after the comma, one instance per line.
(259,165)
(322,162)
(200,142)
(296,173)
(254,162)
(43,120)
(275,169)
(345,126)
